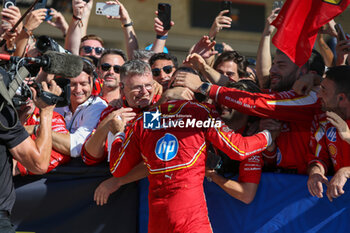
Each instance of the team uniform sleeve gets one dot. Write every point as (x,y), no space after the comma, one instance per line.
(235,145)
(250,169)
(125,153)
(87,158)
(285,106)
(318,151)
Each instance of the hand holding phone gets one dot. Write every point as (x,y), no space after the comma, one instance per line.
(164,15)
(341,34)
(277,4)
(48,16)
(8,3)
(340,31)
(226,5)
(107,9)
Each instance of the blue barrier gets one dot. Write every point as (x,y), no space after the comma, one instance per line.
(282,204)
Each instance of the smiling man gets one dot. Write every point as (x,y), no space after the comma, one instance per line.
(109,71)
(163,66)
(82,115)
(284,72)
(137,91)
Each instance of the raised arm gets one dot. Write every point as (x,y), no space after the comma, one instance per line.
(32,21)
(74,34)
(161,35)
(128,28)
(58,21)
(263,62)
(211,75)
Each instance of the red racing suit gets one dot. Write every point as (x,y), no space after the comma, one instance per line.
(175,158)
(296,111)
(327,147)
(91,160)
(58,125)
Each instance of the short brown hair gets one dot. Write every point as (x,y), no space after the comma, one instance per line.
(92,37)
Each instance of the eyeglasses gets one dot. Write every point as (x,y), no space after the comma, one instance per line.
(139,88)
(88,49)
(166,69)
(106,67)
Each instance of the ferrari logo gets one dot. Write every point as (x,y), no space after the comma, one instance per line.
(334,2)
(170,107)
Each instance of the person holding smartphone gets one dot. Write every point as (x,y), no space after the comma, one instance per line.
(343,47)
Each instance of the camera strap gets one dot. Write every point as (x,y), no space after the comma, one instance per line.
(8,94)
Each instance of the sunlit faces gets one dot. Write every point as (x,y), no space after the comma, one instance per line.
(81,88)
(91,48)
(327,95)
(138,90)
(109,70)
(162,71)
(228,68)
(283,73)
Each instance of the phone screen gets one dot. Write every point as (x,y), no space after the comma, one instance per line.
(164,14)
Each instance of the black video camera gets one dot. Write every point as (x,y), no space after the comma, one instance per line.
(46,43)
(24,92)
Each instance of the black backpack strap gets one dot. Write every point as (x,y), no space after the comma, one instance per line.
(8,94)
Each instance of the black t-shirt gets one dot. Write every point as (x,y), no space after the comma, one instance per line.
(8,140)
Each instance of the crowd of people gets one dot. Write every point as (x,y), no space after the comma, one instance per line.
(269,115)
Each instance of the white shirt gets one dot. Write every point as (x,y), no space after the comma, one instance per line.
(82,122)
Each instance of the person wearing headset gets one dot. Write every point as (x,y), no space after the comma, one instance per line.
(81,115)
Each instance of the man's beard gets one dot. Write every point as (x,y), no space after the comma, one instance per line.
(286,83)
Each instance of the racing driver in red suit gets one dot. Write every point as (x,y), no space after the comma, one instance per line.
(172,141)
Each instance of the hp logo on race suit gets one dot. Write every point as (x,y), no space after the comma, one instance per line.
(332,134)
(167,147)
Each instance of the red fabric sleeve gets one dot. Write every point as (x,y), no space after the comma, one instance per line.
(233,144)
(89,159)
(250,169)
(285,106)
(125,153)
(22,169)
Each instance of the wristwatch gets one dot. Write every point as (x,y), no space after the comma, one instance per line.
(10,51)
(205,88)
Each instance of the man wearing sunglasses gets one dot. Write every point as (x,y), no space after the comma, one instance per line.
(109,67)
(163,66)
(91,45)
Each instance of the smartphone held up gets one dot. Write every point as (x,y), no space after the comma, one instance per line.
(164,15)
(107,9)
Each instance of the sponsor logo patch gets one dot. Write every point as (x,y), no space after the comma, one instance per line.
(332,150)
(332,134)
(167,147)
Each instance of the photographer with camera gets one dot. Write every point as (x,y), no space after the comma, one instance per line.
(16,143)
(29,116)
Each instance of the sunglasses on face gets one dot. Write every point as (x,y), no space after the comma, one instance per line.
(166,69)
(106,67)
(88,49)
